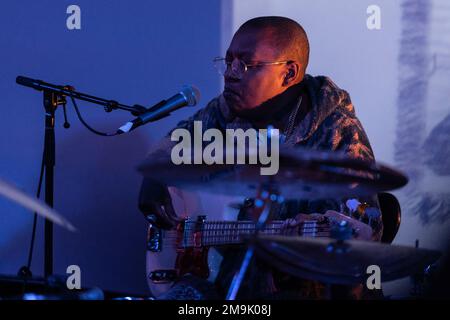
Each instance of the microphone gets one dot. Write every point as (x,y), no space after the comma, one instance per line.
(188,96)
(28,82)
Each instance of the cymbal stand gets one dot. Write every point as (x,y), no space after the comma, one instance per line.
(265,200)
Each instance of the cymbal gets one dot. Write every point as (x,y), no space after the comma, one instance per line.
(303,173)
(326,260)
(34,205)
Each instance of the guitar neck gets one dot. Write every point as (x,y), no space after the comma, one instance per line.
(216,233)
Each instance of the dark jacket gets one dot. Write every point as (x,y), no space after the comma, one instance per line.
(328,123)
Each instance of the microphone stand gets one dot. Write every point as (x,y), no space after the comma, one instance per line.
(50,104)
(54,95)
(69,91)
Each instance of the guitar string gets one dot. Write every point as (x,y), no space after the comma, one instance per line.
(212,243)
(228,232)
(237,226)
(220,231)
(211,237)
(244,226)
(225,238)
(230,237)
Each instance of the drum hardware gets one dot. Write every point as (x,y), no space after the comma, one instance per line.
(267,196)
(34,205)
(340,233)
(304,174)
(54,288)
(311,258)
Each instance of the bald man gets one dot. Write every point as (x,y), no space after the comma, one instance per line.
(266,85)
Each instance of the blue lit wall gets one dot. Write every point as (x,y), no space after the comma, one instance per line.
(130,51)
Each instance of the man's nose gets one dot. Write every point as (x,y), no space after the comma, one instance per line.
(231,74)
(232,71)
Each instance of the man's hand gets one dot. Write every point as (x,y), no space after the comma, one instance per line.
(362,231)
(302,217)
(154,199)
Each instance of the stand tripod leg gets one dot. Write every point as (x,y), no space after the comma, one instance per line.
(239,276)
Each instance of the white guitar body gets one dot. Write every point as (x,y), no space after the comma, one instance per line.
(188,205)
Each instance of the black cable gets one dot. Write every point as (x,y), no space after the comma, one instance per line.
(26,271)
(33,234)
(86,125)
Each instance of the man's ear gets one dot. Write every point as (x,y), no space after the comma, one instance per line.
(292,74)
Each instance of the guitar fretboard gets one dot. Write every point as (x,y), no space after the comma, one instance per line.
(215,233)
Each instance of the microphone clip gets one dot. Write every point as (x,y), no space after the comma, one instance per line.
(138,110)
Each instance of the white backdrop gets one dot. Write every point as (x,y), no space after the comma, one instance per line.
(366,63)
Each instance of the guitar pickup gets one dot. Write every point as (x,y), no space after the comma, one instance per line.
(163,276)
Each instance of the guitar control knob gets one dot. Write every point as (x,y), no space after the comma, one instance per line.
(154,239)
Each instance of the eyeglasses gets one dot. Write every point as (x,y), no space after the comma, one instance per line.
(239,67)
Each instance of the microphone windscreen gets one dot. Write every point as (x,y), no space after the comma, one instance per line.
(192,94)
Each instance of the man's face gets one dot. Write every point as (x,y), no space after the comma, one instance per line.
(258,84)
